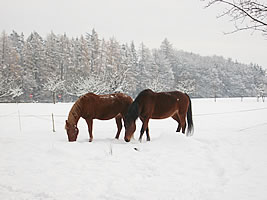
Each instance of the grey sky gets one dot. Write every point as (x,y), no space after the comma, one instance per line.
(186,24)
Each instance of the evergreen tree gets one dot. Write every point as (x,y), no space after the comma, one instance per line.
(34,65)
(94,50)
(11,71)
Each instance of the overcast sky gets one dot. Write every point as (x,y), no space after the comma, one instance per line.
(185,23)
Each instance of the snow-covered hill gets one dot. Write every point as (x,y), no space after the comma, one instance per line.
(225,158)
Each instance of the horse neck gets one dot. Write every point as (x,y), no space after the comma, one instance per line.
(74,115)
(133,111)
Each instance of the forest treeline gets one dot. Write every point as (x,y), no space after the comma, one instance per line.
(61,68)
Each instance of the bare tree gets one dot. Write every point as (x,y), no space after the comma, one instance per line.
(245,14)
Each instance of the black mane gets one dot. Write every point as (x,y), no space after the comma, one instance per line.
(132,113)
(133,110)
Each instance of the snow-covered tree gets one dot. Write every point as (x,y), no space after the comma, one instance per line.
(11,90)
(156,85)
(11,71)
(54,84)
(164,69)
(84,85)
(94,50)
(144,71)
(34,63)
(73,66)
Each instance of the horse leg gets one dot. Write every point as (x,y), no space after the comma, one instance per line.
(176,118)
(119,126)
(147,134)
(183,122)
(144,127)
(90,128)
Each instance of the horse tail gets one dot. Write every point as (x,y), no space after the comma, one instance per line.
(133,112)
(190,129)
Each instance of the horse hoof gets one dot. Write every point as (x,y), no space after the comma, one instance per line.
(90,140)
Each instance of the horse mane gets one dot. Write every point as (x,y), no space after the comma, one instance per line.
(75,112)
(133,112)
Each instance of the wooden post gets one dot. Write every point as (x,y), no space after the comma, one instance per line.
(53,123)
(19,119)
(54,97)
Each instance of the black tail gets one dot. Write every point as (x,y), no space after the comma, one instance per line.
(190,128)
(133,112)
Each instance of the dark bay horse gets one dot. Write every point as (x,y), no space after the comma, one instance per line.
(91,106)
(152,105)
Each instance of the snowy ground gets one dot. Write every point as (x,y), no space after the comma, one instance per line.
(225,159)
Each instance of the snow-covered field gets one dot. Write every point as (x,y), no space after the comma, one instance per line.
(225,158)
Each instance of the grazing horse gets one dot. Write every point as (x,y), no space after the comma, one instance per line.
(152,105)
(91,106)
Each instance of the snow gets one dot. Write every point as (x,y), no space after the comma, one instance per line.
(224,159)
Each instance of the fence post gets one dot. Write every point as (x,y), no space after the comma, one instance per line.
(19,118)
(53,123)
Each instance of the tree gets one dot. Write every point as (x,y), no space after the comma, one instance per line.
(156,85)
(54,84)
(144,69)
(163,60)
(11,72)
(246,14)
(82,86)
(185,83)
(166,49)
(126,73)
(34,55)
(114,69)
(94,50)
(71,67)
(52,55)
(11,89)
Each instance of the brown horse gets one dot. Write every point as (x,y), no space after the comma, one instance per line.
(91,106)
(151,105)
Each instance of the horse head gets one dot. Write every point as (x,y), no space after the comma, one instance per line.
(72,131)
(129,129)
(130,118)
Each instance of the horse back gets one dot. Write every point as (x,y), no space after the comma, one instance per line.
(165,105)
(105,106)
(157,105)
